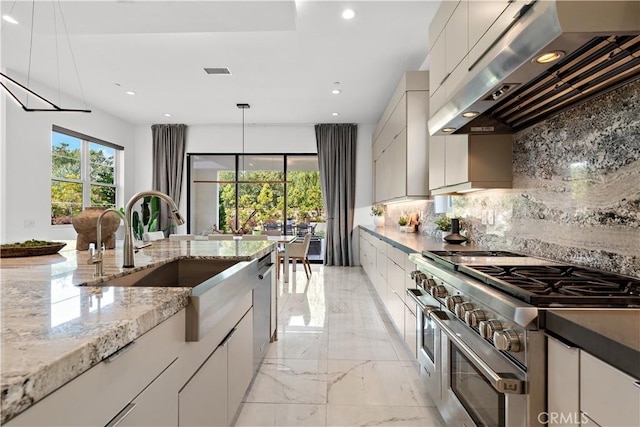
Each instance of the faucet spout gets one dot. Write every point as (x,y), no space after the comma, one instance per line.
(97,258)
(128,235)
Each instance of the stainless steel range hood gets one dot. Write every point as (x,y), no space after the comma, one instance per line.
(600,41)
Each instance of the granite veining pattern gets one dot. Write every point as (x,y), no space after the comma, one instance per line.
(576,189)
(53,330)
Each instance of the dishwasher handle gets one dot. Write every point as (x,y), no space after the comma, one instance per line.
(265,271)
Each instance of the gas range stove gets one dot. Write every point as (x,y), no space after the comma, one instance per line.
(540,282)
(559,285)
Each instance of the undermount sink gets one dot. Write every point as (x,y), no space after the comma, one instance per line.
(188,273)
(217,285)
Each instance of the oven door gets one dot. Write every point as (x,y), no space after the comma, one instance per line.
(428,341)
(480,387)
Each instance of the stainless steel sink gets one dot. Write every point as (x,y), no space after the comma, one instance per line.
(217,285)
(187,273)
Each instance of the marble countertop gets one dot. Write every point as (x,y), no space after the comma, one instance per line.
(416,242)
(53,330)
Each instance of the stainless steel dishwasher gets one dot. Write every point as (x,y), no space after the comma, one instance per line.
(262,310)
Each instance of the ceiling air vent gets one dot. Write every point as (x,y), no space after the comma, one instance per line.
(222,70)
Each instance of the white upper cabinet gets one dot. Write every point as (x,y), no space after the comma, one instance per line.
(400,142)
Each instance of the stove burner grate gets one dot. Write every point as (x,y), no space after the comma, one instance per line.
(565,284)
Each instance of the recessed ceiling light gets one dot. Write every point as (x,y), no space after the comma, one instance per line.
(336,91)
(9,19)
(469,114)
(167,115)
(448,129)
(348,14)
(130,92)
(335,114)
(548,57)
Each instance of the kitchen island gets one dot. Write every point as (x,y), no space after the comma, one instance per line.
(54,330)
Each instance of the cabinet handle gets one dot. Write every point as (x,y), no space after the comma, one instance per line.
(637,384)
(120,352)
(122,415)
(226,339)
(445,78)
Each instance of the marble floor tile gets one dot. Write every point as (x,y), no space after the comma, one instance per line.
(299,344)
(281,415)
(359,345)
(369,382)
(338,361)
(290,381)
(346,415)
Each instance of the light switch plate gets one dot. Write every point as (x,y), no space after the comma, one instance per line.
(490,216)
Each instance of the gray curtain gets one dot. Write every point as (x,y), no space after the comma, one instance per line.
(168,163)
(337,163)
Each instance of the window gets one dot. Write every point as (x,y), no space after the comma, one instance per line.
(261,197)
(84,172)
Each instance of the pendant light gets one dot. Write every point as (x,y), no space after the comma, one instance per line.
(243,107)
(7,82)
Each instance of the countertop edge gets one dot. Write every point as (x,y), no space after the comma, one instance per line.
(22,391)
(616,354)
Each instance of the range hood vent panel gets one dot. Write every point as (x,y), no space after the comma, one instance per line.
(513,92)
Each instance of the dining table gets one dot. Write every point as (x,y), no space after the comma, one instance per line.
(285,241)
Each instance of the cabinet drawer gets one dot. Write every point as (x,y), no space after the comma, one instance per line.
(608,396)
(396,255)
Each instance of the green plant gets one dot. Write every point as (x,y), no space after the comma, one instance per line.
(377,210)
(150,209)
(403,220)
(443,223)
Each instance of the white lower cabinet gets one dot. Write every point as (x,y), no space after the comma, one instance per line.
(239,364)
(213,394)
(608,396)
(155,406)
(582,390)
(203,400)
(563,381)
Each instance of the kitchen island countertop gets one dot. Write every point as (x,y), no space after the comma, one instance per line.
(53,330)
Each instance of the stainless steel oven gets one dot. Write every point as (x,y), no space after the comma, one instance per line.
(480,386)
(428,340)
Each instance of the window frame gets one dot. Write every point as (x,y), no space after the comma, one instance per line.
(85,168)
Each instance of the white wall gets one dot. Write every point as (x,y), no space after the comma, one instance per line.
(26,166)
(257,139)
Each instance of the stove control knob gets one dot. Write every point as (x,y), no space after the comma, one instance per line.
(452,300)
(439,291)
(419,277)
(507,340)
(474,317)
(488,327)
(428,284)
(413,274)
(462,308)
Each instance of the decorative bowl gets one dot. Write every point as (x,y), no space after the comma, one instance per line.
(30,248)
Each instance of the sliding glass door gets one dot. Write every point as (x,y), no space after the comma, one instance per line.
(255,192)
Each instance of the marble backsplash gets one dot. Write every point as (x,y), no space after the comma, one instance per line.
(576,189)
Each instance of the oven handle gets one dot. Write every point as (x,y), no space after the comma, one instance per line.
(415,294)
(503,382)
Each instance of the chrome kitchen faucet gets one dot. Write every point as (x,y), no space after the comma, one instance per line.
(128,231)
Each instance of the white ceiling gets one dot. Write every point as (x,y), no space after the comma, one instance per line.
(284,57)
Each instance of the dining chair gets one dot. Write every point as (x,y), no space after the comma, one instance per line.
(151,236)
(182,237)
(298,251)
